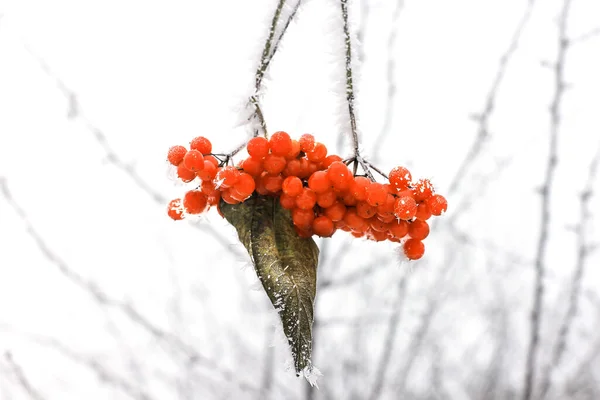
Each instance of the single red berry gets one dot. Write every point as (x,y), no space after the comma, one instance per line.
(318,153)
(280,144)
(252,166)
(194,161)
(294,152)
(302,218)
(330,160)
(418,229)
(365,210)
(307,199)
(226,177)
(245,185)
(175,210)
(307,142)
(176,154)
(272,183)
(340,176)
(274,164)
(323,226)
(437,204)
(202,144)
(359,186)
(194,202)
(185,174)
(287,202)
(423,211)
(336,211)
(422,189)
(399,178)
(292,186)
(319,182)
(414,249)
(376,194)
(405,208)
(399,229)
(326,199)
(209,172)
(258,147)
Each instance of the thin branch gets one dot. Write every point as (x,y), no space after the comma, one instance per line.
(390,74)
(488,108)
(126,309)
(546,191)
(583,251)
(75,111)
(357,159)
(388,343)
(266,55)
(271,47)
(586,36)
(24,382)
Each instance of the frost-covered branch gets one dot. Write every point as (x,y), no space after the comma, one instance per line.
(583,251)
(269,50)
(546,192)
(22,379)
(586,36)
(357,158)
(485,114)
(390,76)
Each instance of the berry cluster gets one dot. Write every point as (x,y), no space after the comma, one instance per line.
(321,192)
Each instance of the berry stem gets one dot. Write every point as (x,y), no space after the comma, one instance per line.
(380,172)
(271,46)
(357,159)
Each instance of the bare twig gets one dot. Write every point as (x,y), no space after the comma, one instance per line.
(390,74)
(101,298)
(586,36)
(540,258)
(488,108)
(357,159)
(388,343)
(24,382)
(583,251)
(271,47)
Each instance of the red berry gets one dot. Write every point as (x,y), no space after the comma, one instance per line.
(399,229)
(323,226)
(418,229)
(258,147)
(336,211)
(326,199)
(307,142)
(303,218)
(185,174)
(287,202)
(437,204)
(194,202)
(405,208)
(292,186)
(399,178)
(330,160)
(414,249)
(176,154)
(274,164)
(307,199)
(194,160)
(319,182)
(365,210)
(376,194)
(209,172)
(202,144)
(252,166)
(280,143)
(340,176)
(175,210)
(272,183)
(318,153)
(227,177)
(245,185)
(422,189)
(295,151)
(358,187)
(423,211)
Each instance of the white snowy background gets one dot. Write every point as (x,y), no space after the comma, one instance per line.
(102,296)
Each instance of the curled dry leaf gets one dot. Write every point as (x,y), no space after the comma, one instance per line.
(286,265)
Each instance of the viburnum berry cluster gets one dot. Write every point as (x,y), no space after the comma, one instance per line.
(321,192)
